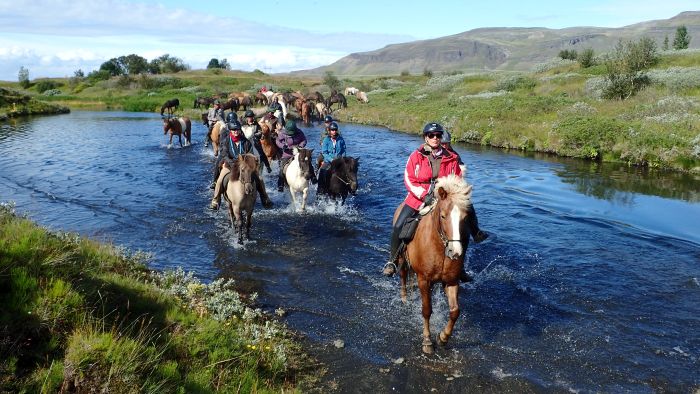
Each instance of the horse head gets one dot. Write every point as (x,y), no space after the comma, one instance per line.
(303,157)
(166,125)
(454,197)
(247,166)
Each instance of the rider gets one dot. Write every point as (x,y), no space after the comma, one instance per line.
(252,131)
(289,137)
(276,108)
(333,146)
(327,120)
(427,163)
(234,144)
(215,114)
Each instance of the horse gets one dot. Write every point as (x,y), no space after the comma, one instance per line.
(260,99)
(267,140)
(215,136)
(241,193)
(179,127)
(245,102)
(202,102)
(436,252)
(322,109)
(336,98)
(340,179)
(315,96)
(362,97)
(350,91)
(298,173)
(170,106)
(232,104)
(306,111)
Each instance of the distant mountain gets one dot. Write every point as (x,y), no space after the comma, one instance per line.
(502,48)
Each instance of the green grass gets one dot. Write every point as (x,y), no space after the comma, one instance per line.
(88,316)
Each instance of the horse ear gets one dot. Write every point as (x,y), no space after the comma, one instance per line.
(442,193)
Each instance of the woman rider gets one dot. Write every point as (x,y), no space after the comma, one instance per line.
(427,163)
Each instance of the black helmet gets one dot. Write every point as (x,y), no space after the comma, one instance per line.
(333,126)
(234,125)
(249,114)
(433,128)
(328,118)
(231,116)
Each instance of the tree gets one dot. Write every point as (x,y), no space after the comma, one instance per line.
(586,58)
(331,81)
(23,77)
(665,46)
(224,64)
(167,64)
(682,38)
(625,67)
(134,64)
(113,66)
(213,63)
(79,74)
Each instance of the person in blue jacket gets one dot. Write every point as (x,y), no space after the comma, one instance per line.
(333,146)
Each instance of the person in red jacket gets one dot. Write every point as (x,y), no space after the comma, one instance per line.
(427,163)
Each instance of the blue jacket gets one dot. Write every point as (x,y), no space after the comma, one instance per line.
(331,152)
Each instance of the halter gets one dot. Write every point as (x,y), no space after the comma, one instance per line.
(443,237)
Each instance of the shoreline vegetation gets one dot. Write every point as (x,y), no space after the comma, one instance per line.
(82,316)
(556,108)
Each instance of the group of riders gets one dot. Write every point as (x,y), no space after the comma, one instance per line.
(433,159)
(236,139)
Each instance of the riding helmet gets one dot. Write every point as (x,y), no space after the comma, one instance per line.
(249,114)
(446,137)
(328,119)
(231,116)
(216,102)
(433,128)
(234,125)
(333,126)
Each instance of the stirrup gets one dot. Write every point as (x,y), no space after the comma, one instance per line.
(389,268)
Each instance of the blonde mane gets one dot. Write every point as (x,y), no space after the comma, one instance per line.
(458,190)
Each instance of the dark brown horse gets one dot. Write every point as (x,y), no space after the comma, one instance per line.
(340,179)
(232,104)
(315,96)
(179,127)
(436,252)
(170,106)
(203,102)
(260,99)
(336,98)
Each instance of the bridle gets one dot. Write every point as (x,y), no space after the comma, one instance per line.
(443,237)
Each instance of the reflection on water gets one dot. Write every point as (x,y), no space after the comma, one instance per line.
(588,283)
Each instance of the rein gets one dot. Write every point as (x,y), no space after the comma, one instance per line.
(341,179)
(443,237)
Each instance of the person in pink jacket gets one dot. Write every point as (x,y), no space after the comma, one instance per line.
(427,163)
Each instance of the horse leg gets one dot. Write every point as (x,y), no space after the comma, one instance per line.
(179,138)
(451,291)
(403,272)
(248,222)
(304,193)
(426,310)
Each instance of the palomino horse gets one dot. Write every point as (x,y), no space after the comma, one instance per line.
(170,106)
(178,127)
(298,173)
(362,97)
(340,179)
(267,140)
(322,109)
(436,253)
(241,193)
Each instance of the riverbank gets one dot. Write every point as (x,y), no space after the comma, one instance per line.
(557,108)
(14,104)
(79,315)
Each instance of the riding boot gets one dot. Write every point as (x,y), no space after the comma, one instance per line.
(264,198)
(217,171)
(478,235)
(314,180)
(281,177)
(390,267)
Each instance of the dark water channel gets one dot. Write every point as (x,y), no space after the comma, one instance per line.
(590,282)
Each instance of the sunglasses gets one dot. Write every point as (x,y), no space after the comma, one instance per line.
(434,135)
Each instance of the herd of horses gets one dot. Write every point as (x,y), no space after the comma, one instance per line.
(437,248)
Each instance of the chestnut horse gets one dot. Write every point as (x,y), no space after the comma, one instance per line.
(306,111)
(267,139)
(215,136)
(241,193)
(178,127)
(436,252)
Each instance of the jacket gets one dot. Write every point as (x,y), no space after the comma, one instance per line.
(288,142)
(331,152)
(215,115)
(229,152)
(418,174)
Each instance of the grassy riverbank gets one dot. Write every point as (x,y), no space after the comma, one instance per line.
(556,108)
(14,104)
(83,316)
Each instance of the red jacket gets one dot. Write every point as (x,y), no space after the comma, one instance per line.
(418,174)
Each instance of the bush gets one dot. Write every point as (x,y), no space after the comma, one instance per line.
(586,58)
(625,68)
(427,72)
(45,85)
(331,81)
(515,82)
(569,54)
(587,137)
(405,73)
(52,92)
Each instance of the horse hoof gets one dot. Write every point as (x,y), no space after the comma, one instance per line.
(428,349)
(442,340)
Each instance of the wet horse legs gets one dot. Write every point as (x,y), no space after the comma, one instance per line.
(426,310)
(451,291)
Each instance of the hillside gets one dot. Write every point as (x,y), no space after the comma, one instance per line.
(501,48)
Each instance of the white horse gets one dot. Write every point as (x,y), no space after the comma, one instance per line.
(350,91)
(298,173)
(322,109)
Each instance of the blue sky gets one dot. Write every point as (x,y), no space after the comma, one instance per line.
(53,38)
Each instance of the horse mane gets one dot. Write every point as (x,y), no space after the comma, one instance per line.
(457,189)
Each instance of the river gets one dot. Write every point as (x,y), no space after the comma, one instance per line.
(589,282)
